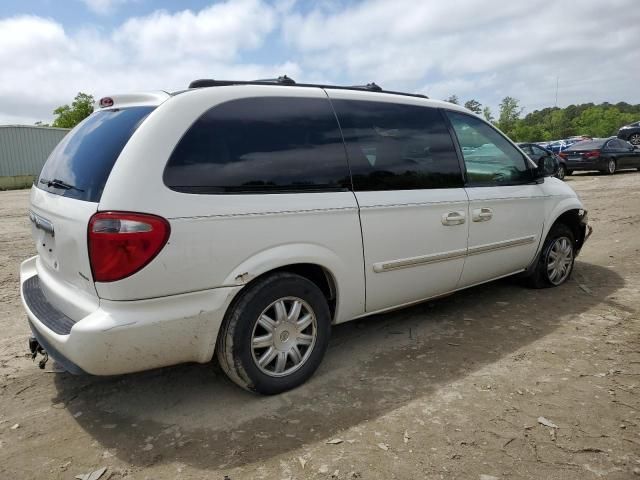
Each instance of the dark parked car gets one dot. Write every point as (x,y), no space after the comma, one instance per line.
(536,152)
(607,155)
(630,133)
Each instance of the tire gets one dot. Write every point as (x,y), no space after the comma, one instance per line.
(569,172)
(264,324)
(559,239)
(611,167)
(634,139)
(562,172)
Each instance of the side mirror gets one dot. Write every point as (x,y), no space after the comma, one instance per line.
(547,167)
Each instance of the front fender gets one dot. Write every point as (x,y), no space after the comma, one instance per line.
(555,210)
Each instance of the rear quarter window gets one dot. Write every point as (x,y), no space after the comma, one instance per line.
(261,145)
(84,158)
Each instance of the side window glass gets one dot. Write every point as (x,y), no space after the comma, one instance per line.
(527,149)
(397,147)
(490,159)
(538,151)
(258,145)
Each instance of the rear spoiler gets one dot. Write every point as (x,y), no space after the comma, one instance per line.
(145,99)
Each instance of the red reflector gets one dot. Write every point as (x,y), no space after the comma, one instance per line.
(106,102)
(121,243)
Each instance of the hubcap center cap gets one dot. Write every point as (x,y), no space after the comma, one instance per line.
(284,336)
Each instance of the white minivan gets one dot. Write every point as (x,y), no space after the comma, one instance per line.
(244,219)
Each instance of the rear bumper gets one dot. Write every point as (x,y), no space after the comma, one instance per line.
(579,165)
(127,336)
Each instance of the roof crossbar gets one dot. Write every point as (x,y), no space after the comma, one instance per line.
(284,80)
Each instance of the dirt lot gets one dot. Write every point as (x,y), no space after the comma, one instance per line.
(448,389)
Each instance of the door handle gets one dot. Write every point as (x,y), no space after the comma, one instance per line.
(482,214)
(453,218)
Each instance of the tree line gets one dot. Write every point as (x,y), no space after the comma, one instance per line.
(550,123)
(554,123)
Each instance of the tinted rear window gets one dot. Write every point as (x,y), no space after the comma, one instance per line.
(261,145)
(85,157)
(397,147)
(586,145)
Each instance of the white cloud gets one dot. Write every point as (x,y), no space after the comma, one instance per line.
(218,31)
(44,66)
(485,50)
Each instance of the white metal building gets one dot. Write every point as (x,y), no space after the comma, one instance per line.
(23,151)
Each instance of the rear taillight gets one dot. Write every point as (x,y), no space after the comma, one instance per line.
(591,154)
(122,243)
(563,154)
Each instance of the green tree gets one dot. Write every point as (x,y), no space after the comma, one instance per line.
(601,120)
(452,99)
(473,105)
(559,125)
(69,116)
(510,111)
(488,116)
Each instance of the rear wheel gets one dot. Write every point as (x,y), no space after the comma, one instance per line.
(634,139)
(555,263)
(275,335)
(610,168)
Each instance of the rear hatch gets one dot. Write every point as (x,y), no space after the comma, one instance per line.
(67,194)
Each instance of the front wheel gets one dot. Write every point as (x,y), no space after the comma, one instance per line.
(555,263)
(275,335)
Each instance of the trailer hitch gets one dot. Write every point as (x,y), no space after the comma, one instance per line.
(36,348)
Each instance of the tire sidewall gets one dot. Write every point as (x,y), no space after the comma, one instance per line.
(246,315)
(556,232)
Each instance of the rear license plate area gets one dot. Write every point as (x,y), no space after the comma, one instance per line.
(44,235)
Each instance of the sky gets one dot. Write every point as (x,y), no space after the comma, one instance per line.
(486,50)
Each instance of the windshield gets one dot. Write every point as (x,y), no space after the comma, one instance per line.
(81,163)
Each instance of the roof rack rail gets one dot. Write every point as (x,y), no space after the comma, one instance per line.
(288,81)
(369,86)
(210,82)
(281,80)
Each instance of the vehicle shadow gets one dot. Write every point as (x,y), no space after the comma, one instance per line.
(193,414)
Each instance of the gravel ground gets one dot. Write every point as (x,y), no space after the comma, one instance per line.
(454,388)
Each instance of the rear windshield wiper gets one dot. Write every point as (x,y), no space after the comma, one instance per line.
(55,183)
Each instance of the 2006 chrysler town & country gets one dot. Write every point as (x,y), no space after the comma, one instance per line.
(243,219)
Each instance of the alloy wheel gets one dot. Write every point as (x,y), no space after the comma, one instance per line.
(559,260)
(284,336)
(634,139)
(611,166)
